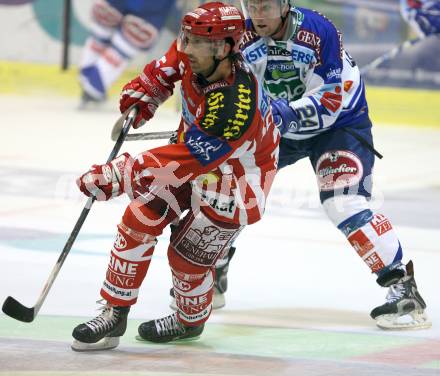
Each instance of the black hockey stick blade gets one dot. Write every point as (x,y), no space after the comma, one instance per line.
(18,311)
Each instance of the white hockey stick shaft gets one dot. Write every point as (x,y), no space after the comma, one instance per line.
(390,54)
(150,136)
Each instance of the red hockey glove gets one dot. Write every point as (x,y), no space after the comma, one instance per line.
(147,91)
(105,181)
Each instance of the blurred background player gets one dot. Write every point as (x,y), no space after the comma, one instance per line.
(120,30)
(422,15)
(220,171)
(318,99)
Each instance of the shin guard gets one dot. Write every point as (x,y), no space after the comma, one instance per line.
(193,290)
(370,234)
(129,261)
(374,240)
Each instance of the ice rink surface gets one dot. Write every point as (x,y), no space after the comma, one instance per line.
(299,297)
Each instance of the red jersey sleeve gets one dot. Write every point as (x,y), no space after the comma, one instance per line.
(165,72)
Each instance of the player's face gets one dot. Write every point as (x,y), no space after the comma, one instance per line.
(265,15)
(200,52)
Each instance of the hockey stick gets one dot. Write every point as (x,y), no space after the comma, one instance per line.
(150,136)
(390,54)
(139,136)
(14,308)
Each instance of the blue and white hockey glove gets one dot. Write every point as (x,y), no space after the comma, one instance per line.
(285,116)
(428,18)
(425,14)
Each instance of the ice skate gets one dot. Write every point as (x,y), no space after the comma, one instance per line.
(102,332)
(405,308)
(168,329)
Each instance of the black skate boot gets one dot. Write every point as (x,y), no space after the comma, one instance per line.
(220,283)
(102,332)
(405,307)
(168,329)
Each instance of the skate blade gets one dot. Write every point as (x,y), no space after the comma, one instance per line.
(182,340)
(412,321)
(106,343)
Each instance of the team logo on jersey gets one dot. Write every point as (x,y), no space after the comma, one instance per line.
(205,148)
(338,170)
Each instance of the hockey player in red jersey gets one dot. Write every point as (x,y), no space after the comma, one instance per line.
(220,170)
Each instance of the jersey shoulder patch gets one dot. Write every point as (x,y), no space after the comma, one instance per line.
(248,38)
(230,110)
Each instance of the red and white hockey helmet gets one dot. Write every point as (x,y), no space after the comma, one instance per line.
(209,26)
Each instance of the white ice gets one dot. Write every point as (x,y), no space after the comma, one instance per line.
(294,258)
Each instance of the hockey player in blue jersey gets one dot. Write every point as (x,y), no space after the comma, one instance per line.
(121,29)
(318,98)
(422,15)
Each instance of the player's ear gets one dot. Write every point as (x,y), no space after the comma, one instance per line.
(227,49)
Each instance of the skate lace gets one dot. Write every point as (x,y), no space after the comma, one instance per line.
(395,292)
(169,325)
(105,320)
